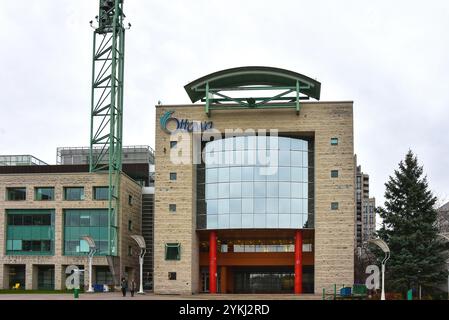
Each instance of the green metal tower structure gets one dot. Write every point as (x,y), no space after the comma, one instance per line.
(107,106)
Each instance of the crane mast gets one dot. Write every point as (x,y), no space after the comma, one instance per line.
(105,154)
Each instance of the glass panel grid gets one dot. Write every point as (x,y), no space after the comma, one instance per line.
(244,194)
(30,232)
(90,222)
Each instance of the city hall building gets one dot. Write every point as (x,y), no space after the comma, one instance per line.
(254,187)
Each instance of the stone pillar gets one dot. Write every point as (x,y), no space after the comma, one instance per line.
(213,262)
(59,279)
(59,233)
(298,262)
(31,273)
(4,277)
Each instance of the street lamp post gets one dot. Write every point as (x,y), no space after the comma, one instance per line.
(141,242)
(92,250)
(446,237)
(381,244)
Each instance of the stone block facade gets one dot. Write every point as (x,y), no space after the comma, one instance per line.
(334,229)
(130,210)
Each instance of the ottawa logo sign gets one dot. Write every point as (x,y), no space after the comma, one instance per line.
(183,124)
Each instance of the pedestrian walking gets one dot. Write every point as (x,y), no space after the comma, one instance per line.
(132,287)
(124,286)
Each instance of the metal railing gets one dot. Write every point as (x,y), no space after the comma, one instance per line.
(21,160)
(80,155)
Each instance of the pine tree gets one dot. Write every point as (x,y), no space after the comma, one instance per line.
(409,228)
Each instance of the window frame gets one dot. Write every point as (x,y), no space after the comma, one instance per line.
(335,174)
(335,141)
(8,189)
(173,176)
(171,206)
(36,194)
(335,206)
(82,197)
(94,193)
(170,246)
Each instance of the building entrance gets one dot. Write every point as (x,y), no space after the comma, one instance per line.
(264,280)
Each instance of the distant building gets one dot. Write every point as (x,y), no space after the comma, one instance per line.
(365,208)
(131,155)
(369,219)
(443,218)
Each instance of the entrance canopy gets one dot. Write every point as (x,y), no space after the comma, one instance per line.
(293,87)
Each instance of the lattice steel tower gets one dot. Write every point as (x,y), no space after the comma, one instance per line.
(107,105)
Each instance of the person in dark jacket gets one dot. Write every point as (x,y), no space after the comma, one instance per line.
(132,287)
(124,286)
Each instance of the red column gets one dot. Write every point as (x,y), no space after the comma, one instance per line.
(213,262)
(298,262)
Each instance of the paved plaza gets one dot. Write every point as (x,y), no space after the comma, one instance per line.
(151,296)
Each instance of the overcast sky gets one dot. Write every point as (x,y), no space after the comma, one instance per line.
(390,57)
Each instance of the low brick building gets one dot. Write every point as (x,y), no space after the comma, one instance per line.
(44,212)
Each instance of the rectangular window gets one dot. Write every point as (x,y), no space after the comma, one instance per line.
(172,276)
(87,222)
(334,141)
(334,174)
(173,176)
(307,247)
(73,193)
(172,251)
(334,206)
(101,193)
(172,207)
(16,194)
(130,225)
(45,194)
(130,251)
(30,232)
(130,200)
(173,144)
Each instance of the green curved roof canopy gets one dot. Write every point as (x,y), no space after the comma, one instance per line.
(237,78)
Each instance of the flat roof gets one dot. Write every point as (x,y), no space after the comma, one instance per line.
(136,171)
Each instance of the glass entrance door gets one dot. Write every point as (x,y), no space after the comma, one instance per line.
(205,280)
(46,278)
(265,280)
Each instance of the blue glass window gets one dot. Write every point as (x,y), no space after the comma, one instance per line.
(260,182)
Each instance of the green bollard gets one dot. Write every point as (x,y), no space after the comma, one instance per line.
(76,293)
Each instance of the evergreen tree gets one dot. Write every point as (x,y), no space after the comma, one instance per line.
(409,229)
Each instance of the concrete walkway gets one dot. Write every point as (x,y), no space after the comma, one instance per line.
(151,296)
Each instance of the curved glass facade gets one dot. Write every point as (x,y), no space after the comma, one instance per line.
(256,182)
